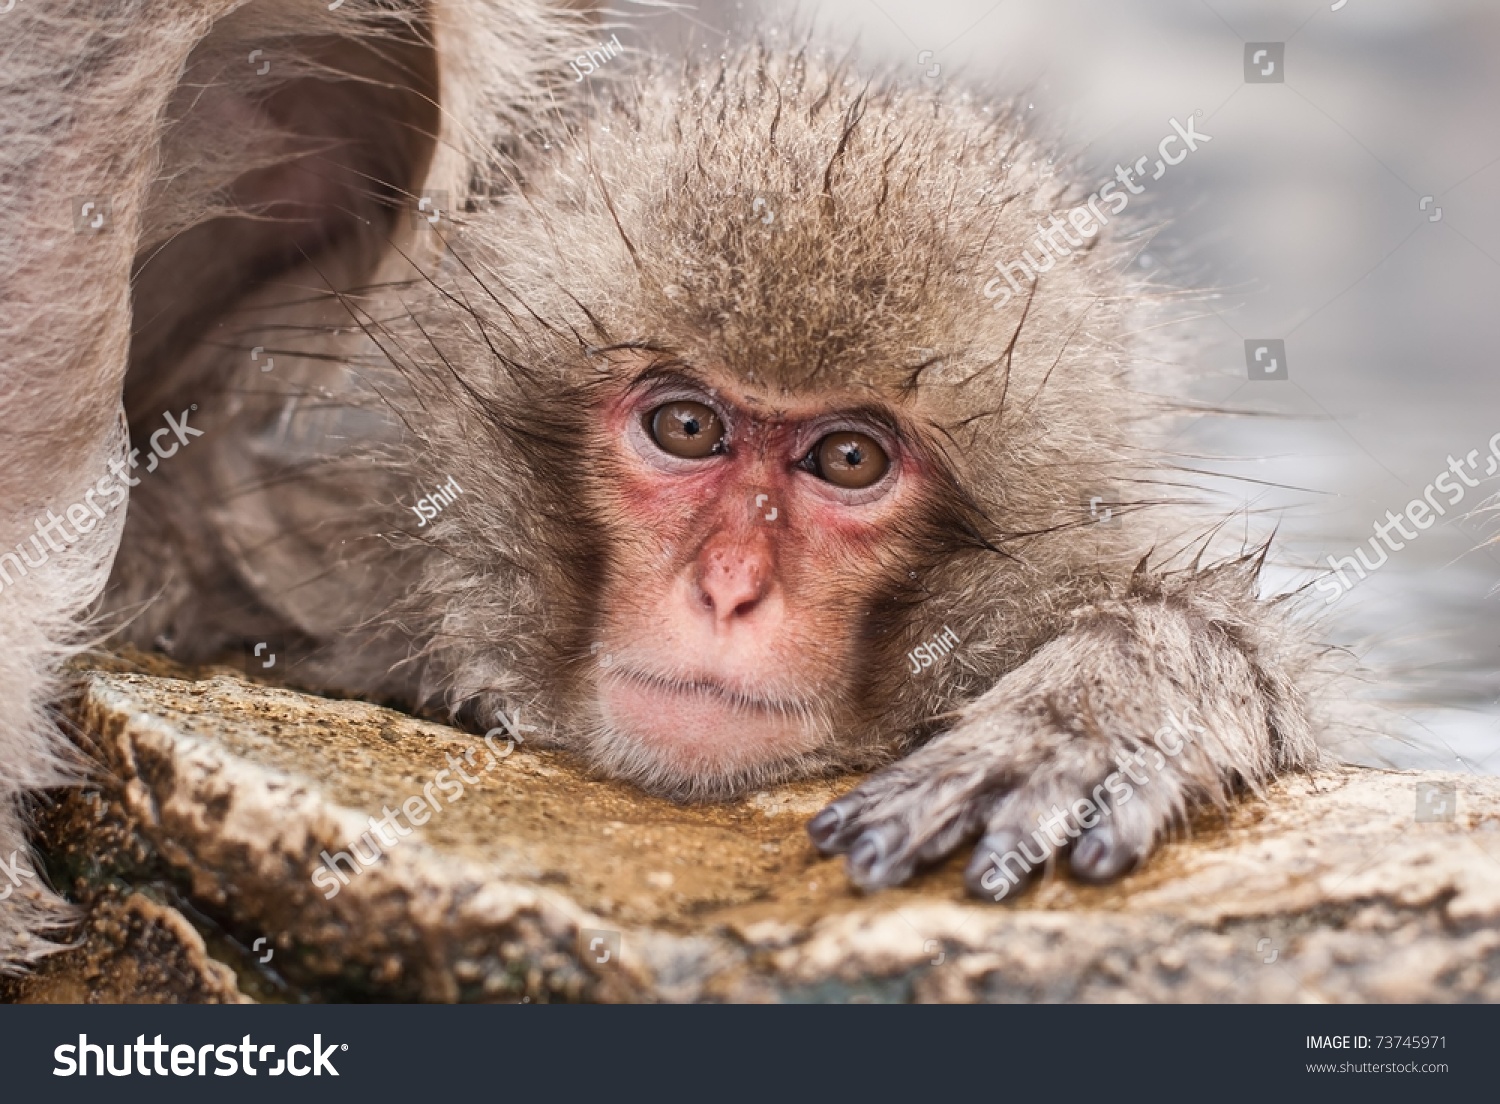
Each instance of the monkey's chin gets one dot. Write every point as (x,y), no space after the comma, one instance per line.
(699,738)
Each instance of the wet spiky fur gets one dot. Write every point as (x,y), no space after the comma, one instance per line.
(478,353)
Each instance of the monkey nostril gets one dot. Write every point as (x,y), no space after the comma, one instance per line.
(730,601)
(732,577)
(728,593)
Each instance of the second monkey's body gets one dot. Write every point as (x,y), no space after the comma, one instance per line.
(723,474)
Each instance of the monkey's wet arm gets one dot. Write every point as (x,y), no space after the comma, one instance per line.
(1177,694)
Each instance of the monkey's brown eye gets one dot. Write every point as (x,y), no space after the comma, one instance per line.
(850,460)
(687,429)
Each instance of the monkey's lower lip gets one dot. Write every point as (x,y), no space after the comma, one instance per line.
(704,687)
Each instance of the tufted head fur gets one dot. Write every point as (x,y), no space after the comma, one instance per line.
(784,223)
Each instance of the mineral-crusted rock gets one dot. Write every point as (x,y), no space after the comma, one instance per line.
(131,950)
(541,882)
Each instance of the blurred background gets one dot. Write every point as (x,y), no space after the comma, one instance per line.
(1346,206)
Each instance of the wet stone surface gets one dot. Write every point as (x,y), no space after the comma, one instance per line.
(192,861)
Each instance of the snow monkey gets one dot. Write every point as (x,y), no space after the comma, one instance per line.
(737,465)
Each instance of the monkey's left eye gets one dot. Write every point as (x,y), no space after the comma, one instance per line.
(849,460)
(686,429)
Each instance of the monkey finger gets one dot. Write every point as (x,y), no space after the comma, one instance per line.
(995,869)
(1022,839)
(1100,855)
(1116,845)
(901,820)
(836,827)
(942,842)
(881,856)
(890,851)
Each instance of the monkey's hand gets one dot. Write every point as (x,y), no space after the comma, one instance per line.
(1091,751)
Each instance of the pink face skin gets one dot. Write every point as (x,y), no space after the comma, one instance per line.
(738,580)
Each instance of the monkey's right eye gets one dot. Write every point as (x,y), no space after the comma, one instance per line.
(686,429)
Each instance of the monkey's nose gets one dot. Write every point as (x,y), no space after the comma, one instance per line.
(732,580)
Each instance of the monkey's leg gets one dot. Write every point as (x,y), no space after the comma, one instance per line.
(83,86)
(1171,696)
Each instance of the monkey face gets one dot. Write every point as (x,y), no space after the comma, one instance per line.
(752,539)
(756,465)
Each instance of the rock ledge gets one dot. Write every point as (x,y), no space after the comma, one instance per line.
(539,882)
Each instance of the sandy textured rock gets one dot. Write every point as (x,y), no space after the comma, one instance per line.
(132,949)
(223,795)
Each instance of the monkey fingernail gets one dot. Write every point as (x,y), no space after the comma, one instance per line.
(866,853)
(1090,854)
(1100,857)
(829,829)
(876,860)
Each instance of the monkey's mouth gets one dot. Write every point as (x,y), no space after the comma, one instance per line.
(698,727)
(709,688)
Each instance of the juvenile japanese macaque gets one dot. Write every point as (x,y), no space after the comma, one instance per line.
(677,414)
